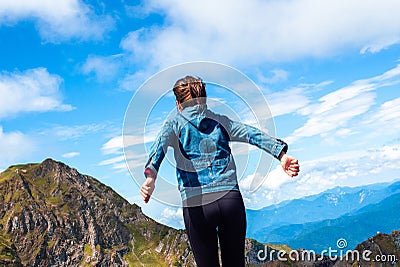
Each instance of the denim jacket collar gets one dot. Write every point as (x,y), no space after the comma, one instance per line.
(194,111)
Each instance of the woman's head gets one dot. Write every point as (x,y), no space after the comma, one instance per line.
(191,90)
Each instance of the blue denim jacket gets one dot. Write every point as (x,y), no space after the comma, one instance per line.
(200,138)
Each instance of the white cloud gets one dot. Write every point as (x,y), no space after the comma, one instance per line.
(344,132)
(387,115)
(135,156)
(104,68)
(255,31)
(278,75)
(116,144)
(269,191)
(296,97)
(320,123)
(14,146)
(335,110)
(172,217)
(115,147)
(34,90)
(132,82)
(111,161)
(57,20)
(73,132)
(70,155)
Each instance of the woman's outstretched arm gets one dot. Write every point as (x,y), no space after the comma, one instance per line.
(276,147)
(156,156)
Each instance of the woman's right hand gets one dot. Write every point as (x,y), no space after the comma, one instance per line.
(147,188)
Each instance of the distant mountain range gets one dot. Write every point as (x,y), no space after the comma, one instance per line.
(317,222)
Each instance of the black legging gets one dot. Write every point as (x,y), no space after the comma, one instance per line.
(223,219)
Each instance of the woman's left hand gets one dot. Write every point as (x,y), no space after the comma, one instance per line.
(289,164)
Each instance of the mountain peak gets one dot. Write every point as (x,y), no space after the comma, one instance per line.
(50,163)
(56,168)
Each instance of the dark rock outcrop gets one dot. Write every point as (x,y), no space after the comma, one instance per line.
(51,215)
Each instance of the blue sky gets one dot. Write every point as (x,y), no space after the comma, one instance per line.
(328,69)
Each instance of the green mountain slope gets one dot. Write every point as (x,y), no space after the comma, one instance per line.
(51,215)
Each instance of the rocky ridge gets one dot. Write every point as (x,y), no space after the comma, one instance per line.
(51,215)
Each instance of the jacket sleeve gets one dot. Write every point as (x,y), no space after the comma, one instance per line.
(241,132)
(159,149)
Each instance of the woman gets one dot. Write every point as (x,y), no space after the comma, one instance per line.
(213,207)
